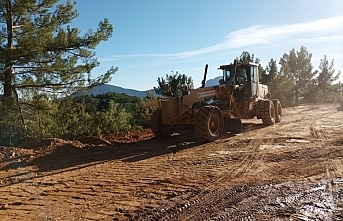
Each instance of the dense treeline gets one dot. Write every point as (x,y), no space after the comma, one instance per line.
(74,117)
(297,81)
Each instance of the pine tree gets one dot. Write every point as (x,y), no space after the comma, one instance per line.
(246,57)
(326,76)
(281,87)
(272,71)
(298,65)
(40,51)
(173,84)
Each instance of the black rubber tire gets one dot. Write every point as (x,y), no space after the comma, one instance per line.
(278,110)
(209,123)
(267,112)
(159,129)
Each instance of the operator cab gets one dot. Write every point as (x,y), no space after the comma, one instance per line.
(245,80)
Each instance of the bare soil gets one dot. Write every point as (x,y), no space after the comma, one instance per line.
(289,171)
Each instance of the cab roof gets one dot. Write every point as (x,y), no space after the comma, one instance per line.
(244,63)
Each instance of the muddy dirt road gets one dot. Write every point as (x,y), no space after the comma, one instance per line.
(288,171)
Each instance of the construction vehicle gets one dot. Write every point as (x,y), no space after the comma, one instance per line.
(238,95)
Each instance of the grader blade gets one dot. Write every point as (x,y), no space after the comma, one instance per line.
(233,125)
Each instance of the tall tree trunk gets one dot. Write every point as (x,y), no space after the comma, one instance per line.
(8,63)
(297,97)
(8,82)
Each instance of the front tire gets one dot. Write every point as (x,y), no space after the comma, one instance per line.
(159,129)
(267,110)
(209,123)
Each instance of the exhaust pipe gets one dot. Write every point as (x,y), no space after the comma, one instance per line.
(205,74)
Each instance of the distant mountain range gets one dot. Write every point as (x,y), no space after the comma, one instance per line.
(213,82)
(105,88)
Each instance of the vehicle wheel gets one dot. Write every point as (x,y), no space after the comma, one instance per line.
(267,112)
(278,110)
(159,129)
(209,123)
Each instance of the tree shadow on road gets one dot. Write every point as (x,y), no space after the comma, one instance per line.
(68,157)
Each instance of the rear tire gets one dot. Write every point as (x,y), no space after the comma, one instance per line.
(209,123)
(267,110)
(159,129)
(278,110)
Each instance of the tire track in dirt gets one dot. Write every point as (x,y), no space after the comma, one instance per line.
(212,190)
(203,200)
(249,159)
(320,134)
(178,176)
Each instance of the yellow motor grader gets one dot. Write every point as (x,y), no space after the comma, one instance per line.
(238,95)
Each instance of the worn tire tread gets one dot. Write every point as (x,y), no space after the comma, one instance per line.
(201,127)
(155,122)
(268,118)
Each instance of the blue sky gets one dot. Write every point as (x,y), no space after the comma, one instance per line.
(152,38)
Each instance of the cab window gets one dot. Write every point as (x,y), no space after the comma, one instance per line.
(227,75)
(254,80)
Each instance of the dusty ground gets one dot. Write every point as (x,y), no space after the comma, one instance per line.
(289,171)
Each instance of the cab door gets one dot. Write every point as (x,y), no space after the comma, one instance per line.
(254,81)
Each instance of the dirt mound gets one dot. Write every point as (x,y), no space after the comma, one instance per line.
(30,153)
(13,152)
(108,139)
(70,146)
(51,144)
(36,152)
(13,157)
(94,141)
(132,136)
